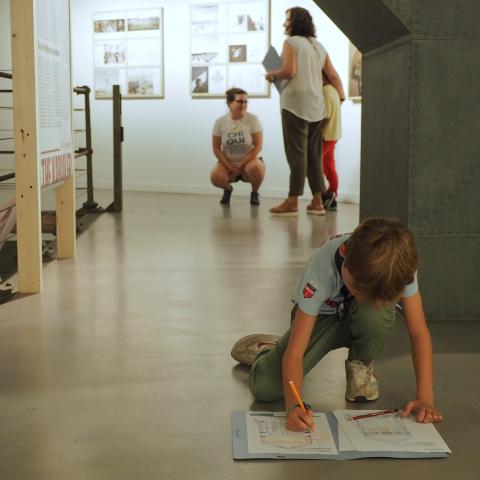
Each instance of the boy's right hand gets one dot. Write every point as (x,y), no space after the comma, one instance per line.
(299,421)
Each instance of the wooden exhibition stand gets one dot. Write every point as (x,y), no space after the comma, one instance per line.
(28,167)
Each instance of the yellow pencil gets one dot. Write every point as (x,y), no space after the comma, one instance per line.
(297,395)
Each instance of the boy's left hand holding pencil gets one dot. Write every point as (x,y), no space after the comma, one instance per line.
(299,415)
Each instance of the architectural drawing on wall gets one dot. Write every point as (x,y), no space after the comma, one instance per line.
(128,51)
(227,44)
(354,74)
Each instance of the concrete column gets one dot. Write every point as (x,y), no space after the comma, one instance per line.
(420,135)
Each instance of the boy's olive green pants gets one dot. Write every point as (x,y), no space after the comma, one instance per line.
(363,329)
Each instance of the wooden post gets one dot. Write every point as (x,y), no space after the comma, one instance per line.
(66,221)
(27,174)
(65,196)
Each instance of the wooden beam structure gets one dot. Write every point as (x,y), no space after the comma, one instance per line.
(43,134)
(27,166)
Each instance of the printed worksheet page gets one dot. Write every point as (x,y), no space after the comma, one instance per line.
(267,433)
(387,433)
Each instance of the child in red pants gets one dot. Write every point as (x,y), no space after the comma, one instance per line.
(332,131)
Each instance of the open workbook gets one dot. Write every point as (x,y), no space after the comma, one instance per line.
(338,436)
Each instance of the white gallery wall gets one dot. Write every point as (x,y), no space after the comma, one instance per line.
(167,144)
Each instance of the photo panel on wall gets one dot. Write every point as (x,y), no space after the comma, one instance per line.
(228,42)
(128,51)
(355,74)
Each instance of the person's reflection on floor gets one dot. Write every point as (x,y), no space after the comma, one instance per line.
(320,229)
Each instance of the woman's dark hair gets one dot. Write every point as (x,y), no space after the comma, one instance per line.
(231,92)
(301,22)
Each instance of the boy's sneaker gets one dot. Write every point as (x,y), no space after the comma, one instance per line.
(247,348)
(328,199)
(362,385)
(333,206)
(226,196)
(254,198)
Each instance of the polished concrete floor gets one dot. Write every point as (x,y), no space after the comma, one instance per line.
(120,369)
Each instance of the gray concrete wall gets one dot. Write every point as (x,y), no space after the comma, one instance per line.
(384,176)
(420,136)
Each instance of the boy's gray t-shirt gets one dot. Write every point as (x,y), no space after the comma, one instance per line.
(319,289)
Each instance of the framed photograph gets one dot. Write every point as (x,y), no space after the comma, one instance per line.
(128,51)
(228,42)
(109,26)
(105,78)
(199,79)
(237,53)
(355,74)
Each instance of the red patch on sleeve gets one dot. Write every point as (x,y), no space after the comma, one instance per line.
(309,290)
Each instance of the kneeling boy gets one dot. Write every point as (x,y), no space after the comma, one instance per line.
(346,298)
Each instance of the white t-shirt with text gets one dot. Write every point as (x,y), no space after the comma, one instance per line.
(236,135)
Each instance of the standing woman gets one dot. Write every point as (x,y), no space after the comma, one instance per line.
(303,109)
(237,142)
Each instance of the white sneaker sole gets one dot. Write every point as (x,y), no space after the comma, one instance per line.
(362,399)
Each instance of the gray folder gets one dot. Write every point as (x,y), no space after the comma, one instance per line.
(273,61)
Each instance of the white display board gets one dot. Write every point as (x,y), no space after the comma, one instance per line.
(228,42)
(53,90)
(128,51)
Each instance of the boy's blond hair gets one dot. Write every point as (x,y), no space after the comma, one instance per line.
(382,258)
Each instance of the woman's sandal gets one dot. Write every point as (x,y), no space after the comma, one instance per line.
(284,210)
(316,209)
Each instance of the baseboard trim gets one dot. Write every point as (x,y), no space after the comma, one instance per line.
(241,189)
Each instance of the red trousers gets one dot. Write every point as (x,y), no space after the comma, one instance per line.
(328,162)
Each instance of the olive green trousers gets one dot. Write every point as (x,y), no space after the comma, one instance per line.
(363,329)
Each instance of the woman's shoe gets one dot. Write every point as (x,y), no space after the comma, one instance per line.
(226,196)
(316,209)
(254,198)
(285,210)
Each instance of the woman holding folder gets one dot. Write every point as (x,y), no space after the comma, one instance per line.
(303,109)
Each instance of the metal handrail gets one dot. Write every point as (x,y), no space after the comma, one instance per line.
(90,204)
(7,176)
